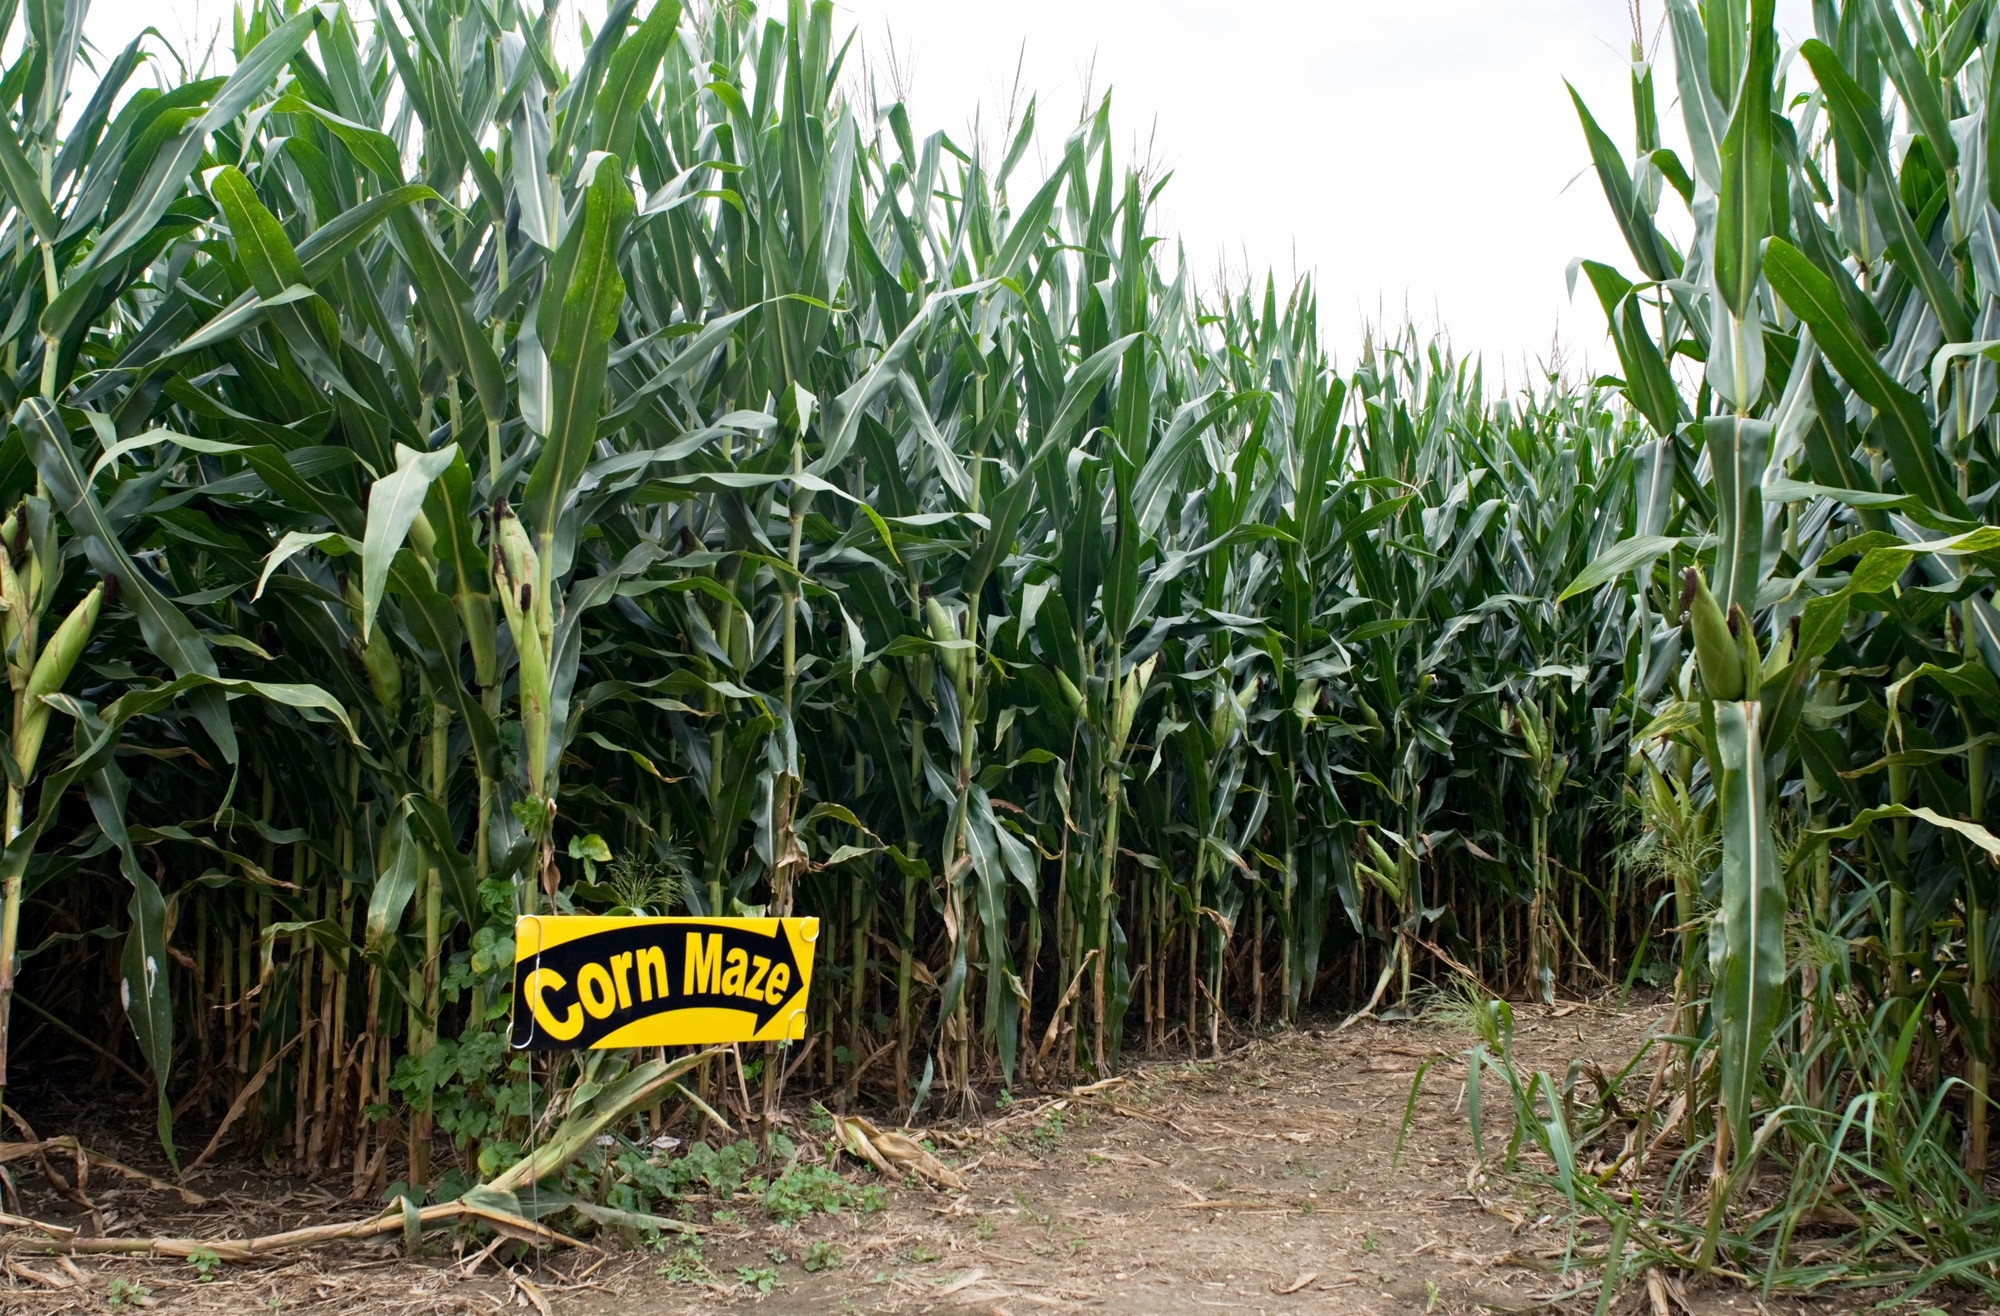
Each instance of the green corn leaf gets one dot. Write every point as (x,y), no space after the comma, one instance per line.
(1912,254)
(1029,226)
(446,303)
(1164,465)
(168,171)
(1857,117)
(1902,422)
(24,189)
(1004,517)
(142,975)
(293,543)
(1914,82)
(394,502)
(1743,208)
(144,964)
(582,88)
(1738,450)
(1992,138)
(844,416)
(1747,948)
(1867,818)
(328,245)
(1635,554)
(628,77)
(1641,236)
(167,631)
(1700,110)
(579,311)
(429,823)
(308,324)
(430,617)
(1648,382)
(400,859)
(1793,491)
(376,150)
(1556,1137)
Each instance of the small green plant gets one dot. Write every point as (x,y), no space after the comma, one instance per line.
(985,1227)
(761,1278)
(1370,1243)
(123,1291)
(686,1266)
(803,1189)
(1039,1217)
(822,1254)
(205,1263)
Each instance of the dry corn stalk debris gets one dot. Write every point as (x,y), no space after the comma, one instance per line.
(894,1154)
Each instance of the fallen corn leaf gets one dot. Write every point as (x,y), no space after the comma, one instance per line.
(894,1154)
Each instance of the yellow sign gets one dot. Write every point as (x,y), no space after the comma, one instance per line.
(613,982)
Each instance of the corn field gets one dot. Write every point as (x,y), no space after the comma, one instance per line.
(443,485)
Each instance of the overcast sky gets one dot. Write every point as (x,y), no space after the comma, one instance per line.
(1419,158)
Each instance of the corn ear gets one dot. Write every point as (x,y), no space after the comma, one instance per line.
(956,657)
(58,659)
(1716,654)
(516,569)
(1741,627)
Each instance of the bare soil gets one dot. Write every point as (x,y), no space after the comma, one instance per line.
(1261,1182)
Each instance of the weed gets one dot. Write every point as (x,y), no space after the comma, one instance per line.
(205,1263)
(686,1266)
(803,1189)
(1039,1217)
(761,1278)
(821,1255)
(123,1291)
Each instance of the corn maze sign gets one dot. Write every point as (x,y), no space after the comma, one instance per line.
(615,982)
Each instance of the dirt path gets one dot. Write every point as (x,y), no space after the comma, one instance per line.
(1261,1183)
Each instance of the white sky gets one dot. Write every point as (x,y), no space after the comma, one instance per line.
(1420,158)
